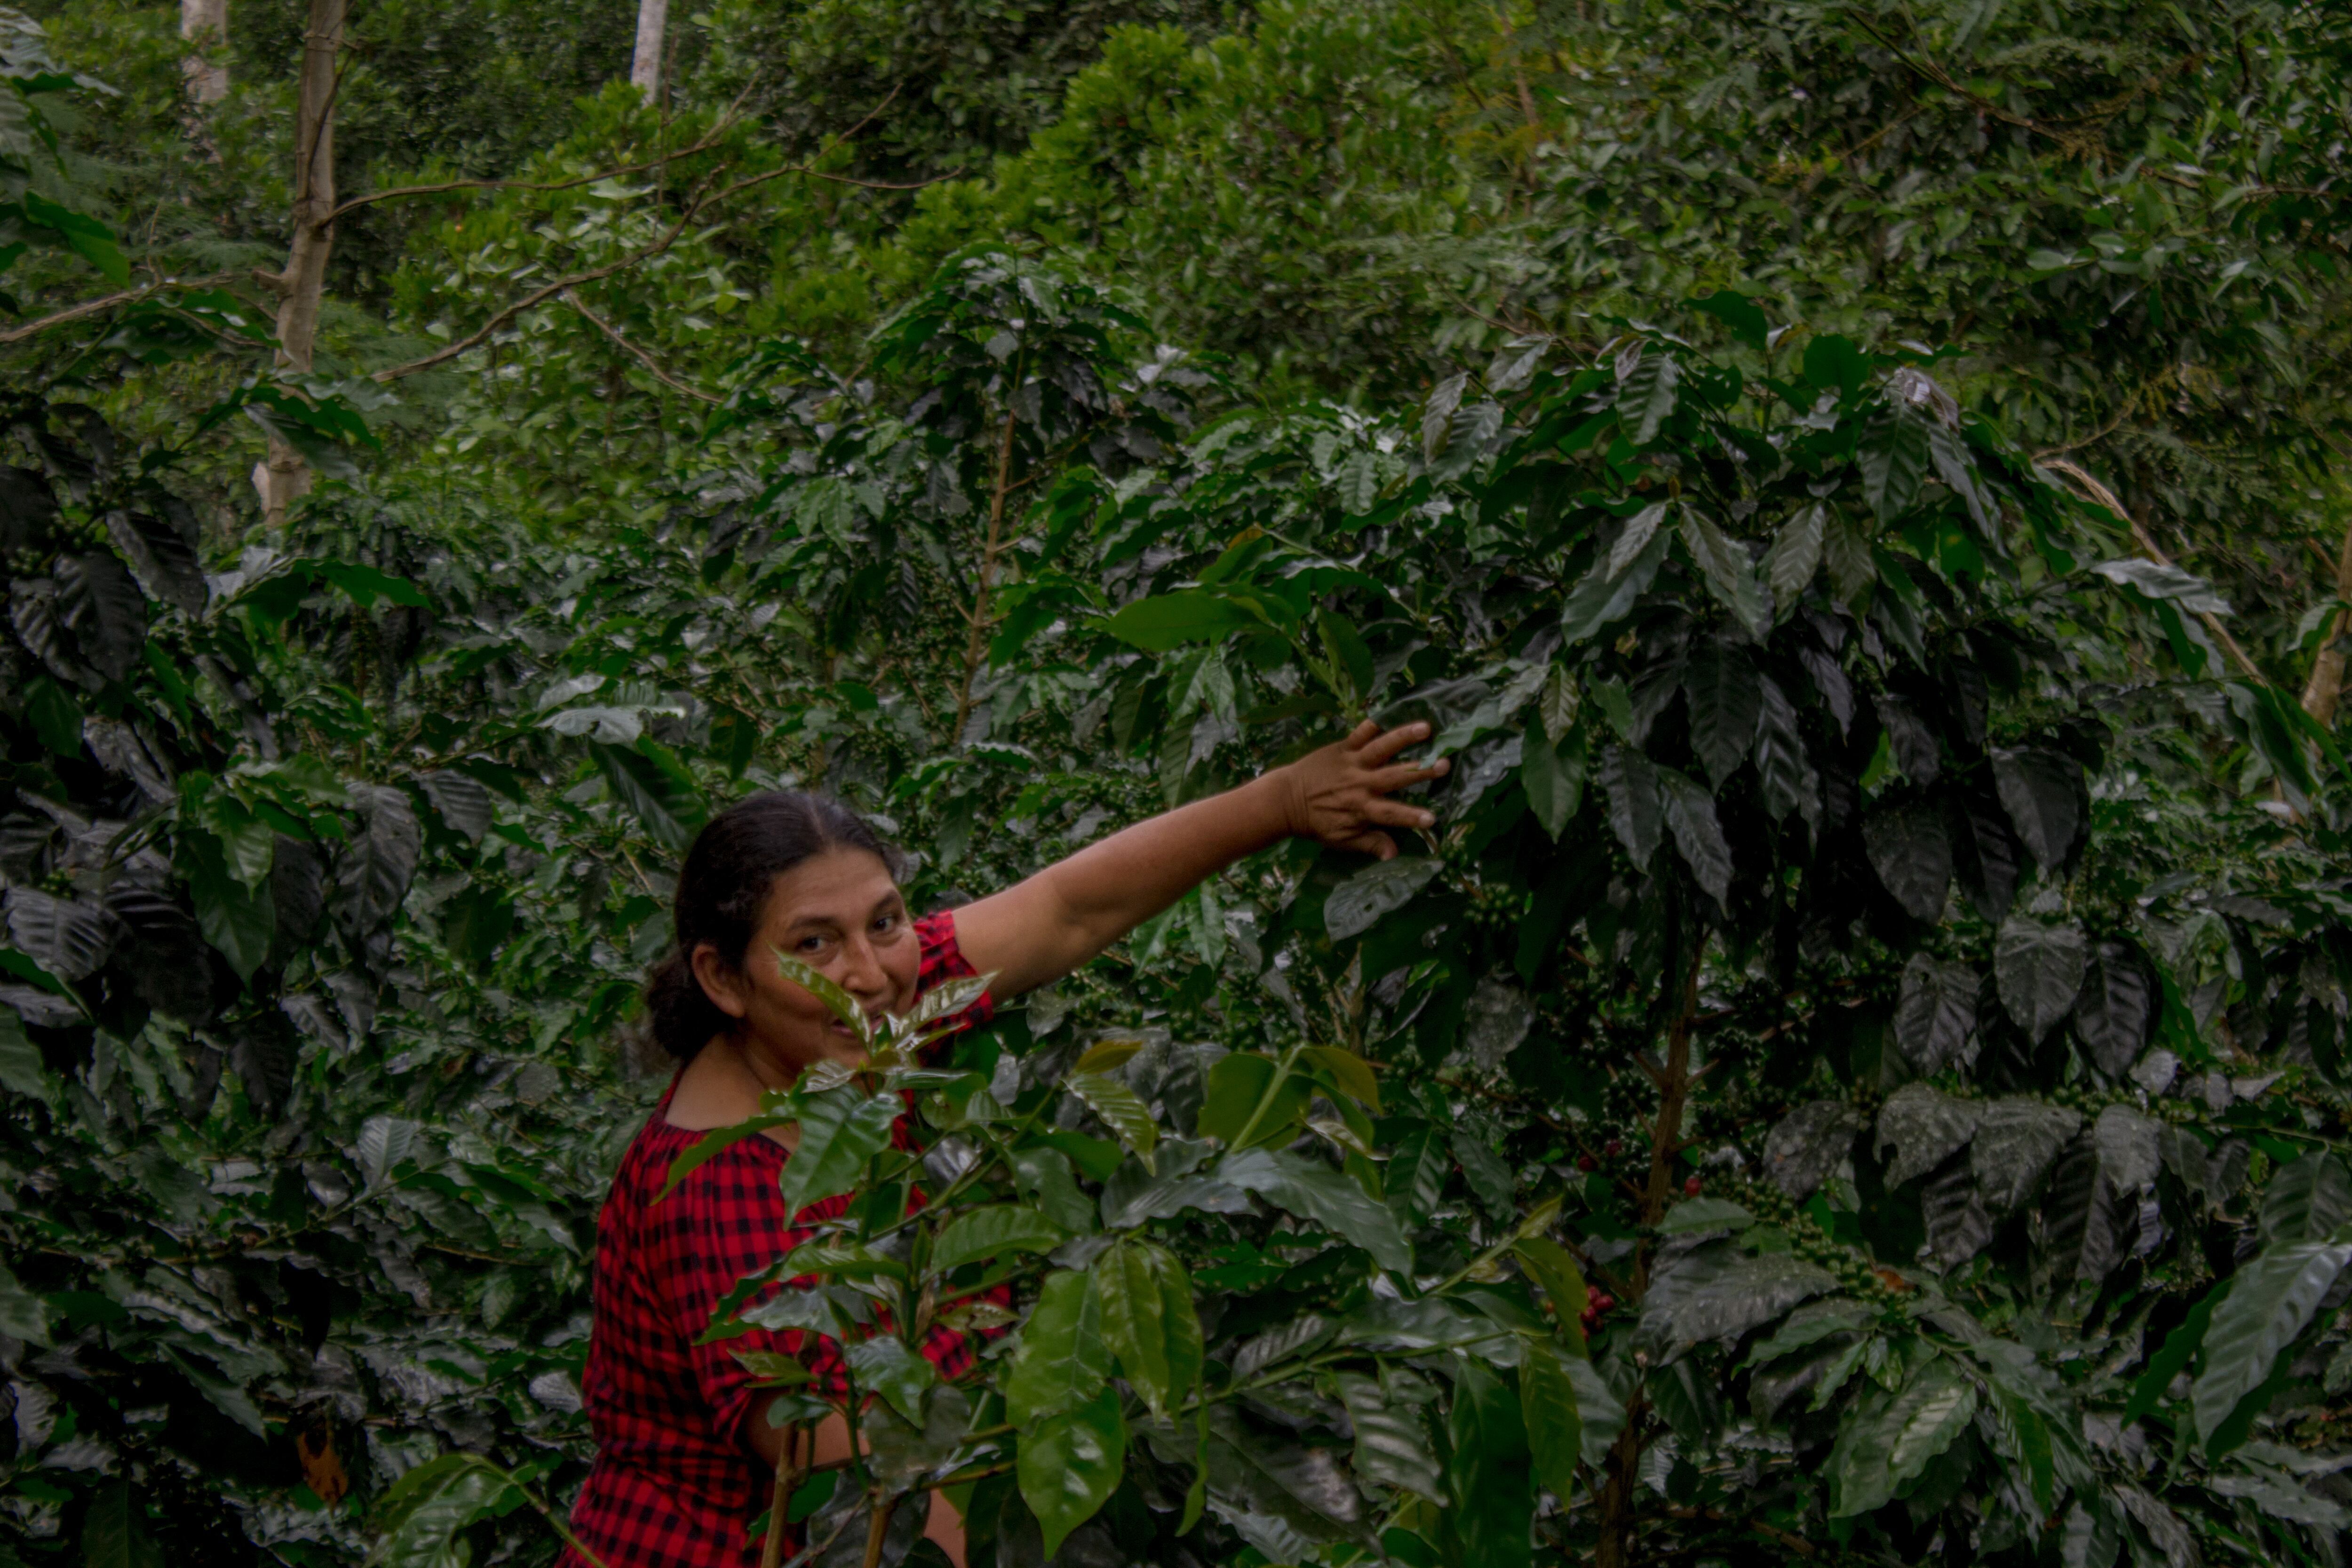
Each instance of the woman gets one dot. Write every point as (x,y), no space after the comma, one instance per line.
(685,1452)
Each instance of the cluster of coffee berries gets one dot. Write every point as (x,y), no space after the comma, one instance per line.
(1596,1307)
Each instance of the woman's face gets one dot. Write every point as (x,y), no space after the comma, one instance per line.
(840,913)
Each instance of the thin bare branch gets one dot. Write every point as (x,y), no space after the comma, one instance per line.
(88,308)
(539,296)
(705,145)
(642,357)
(694,203)
(75,312)
(2093,491)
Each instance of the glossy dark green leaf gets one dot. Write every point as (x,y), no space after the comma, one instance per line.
(1895,460)
(1912,853)
(1706,1295)
(840,1131)
(992,1231)
(2271,1300)
(108,614)
(1149,1321)
(1725,694)
(1393,1444)
(1925,1127)
(1729,574)
(1358,902)
(2173,1357)
(654,785)
(1490,1476)
(1251,1100)
(2309,1199)
(1936,1011)
(1170,620)
(2041,792)
(1908,738)
(55,717)
(379,861)
(1646,395)
(164,559)
(1698,834)
(2040,969)
(1553,776)
(1738,312)
(2113,1010)
(1069,1464)
(1318,1192)
(1416,1174)
(1062,1360)
(1807,1145)
(1887,1441)
(69,938)
(1954,1215)
(1605,596)
(1795,556)
(2016,1140)
(1555,1425)
(1637,806)
(1783,765)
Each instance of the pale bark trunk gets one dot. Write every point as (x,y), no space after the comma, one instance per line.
(653,24)
(205,24)
(2325,688)
(284,477)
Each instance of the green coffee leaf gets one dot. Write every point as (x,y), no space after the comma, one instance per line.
(1555,1425)
(981,1234)
(1062,1359)
(1069,1464)
(840,1131)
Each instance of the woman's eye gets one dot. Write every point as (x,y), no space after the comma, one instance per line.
(811,944)
(886,923)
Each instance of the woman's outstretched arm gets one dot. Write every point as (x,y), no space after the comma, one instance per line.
(1041,929)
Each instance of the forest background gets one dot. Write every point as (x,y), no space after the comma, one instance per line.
(1806,456)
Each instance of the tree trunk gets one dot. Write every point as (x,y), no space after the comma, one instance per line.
(205,25)
(284,477)
(653,24)
(2325,688)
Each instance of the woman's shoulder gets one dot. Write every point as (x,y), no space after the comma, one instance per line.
(943,961)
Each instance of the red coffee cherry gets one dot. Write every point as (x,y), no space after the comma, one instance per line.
(1692,1186)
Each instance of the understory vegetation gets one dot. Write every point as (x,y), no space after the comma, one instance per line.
(1858,1074)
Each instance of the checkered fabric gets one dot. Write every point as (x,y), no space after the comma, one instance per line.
(672,1485)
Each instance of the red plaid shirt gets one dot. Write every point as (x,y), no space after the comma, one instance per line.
(672,1485)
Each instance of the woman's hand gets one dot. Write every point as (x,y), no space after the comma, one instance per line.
(1340,795)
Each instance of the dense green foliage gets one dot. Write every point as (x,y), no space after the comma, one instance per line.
(1859,1071)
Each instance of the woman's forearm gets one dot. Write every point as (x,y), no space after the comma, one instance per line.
(1048,924)
(1041,929)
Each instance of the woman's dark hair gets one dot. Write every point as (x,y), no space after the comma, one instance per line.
(723,891)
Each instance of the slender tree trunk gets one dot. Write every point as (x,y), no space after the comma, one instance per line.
(976,647)
(652,25)
(205,25)
(284,477)
(1615,1548)
(2325,688)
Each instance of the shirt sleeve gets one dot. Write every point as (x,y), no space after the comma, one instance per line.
(943,961)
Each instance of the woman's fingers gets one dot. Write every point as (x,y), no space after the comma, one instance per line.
(1379,748)
(1361,733)
(1379,846)
(1398,813)
(1407,773)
